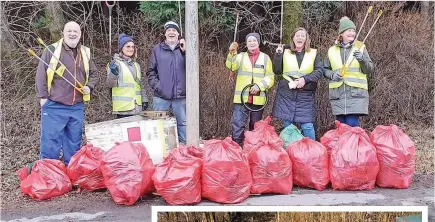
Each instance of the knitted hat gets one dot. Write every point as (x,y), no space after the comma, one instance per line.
(171,24)
(123,39)
(345,24)
(256,35)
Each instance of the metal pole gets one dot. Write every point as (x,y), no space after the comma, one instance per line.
(110,6)
(192,72)
(282,17)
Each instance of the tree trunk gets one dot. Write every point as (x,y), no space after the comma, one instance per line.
(425,8)
(54,14)
(292,19)
(7,41)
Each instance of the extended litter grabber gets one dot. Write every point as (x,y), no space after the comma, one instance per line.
(349,61)
(110,6)
(39,40)
(58,72)
(181,26)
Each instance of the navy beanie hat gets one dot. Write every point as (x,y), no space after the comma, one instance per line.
(123,39)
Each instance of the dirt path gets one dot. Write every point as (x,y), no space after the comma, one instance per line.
(100,207)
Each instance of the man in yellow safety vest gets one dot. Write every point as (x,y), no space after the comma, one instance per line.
(62,93)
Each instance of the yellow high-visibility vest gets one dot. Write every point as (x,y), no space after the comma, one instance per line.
(291,66)
(354,76)
(260,73)
(85,54)
(128,92)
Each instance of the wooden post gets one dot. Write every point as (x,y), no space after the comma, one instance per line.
(192,73)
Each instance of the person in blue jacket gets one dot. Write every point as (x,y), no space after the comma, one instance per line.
(167,76)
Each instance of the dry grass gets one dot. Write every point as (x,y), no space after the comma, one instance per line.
(284,216)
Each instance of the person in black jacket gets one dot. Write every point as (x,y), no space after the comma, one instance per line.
(167,76)
(301,68)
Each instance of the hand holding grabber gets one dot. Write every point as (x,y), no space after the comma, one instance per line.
(56,71)
(39,40)
(346,66)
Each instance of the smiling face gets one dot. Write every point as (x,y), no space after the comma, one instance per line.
(348,35)
(71,34)
(299,39)
(128,49)
(171,35)
(252,43)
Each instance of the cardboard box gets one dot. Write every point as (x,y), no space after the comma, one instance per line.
(158,135)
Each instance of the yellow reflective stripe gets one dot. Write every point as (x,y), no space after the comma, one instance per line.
(353,69)
(122,98)
(265,84)
(245,73)
(348,79)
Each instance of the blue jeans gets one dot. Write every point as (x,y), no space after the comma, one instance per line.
(61,129)
(350,119)
(307,129)
(240,116)
(179,109)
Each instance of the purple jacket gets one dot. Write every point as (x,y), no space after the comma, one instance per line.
(167,72)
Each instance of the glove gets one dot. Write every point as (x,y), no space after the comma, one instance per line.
(233,48)
(114,68)
(144,106)
(254,89)
(336,75)
(358,55)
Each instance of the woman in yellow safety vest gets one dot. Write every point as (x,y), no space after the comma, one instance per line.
(347,66)
(125,78)
(251,67)
(301,68)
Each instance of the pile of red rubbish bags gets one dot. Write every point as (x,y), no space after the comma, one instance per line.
(224,172)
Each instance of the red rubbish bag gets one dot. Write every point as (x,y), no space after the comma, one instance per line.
(186,151)
(226,177)
(330,138)
(150,188)
(354,164)
(310,163)
(127,169)
(177,179)
(396,155)
(270,165)
(84,168)
(47,179)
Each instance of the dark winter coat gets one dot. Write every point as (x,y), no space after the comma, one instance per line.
(167,72)
(296,105)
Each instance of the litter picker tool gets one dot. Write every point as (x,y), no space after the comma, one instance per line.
(40,41)
(181,26)
(110,6)
(346,66)
(31,52)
